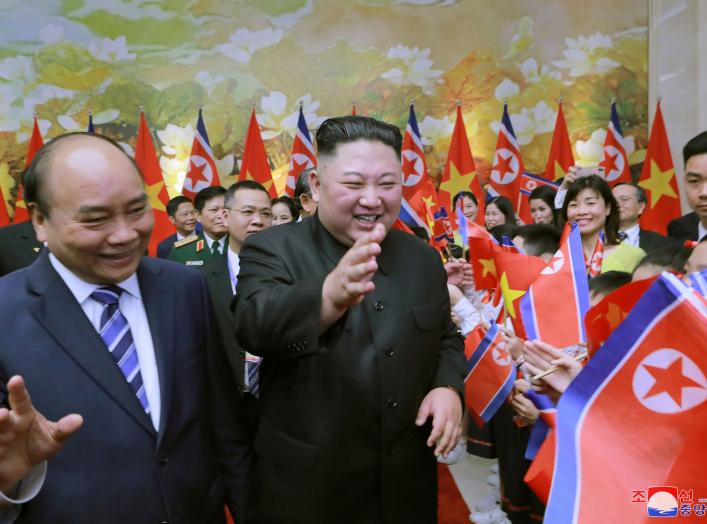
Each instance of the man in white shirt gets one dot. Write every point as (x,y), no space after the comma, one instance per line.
(96,332)
(632,201)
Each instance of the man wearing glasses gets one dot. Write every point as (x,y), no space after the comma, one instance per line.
(212,242)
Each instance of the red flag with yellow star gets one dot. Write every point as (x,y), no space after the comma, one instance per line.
(35,144)
(658,180)
(560,158)
(255,164)
(460,171)
(481,248)
(146,159)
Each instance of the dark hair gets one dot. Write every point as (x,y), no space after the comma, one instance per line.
(669,258)
(504,206)
(504,230)
(284,199)
(207,194)
(462,194)
(539,239)
(609,281)
(230,193)
(345,129)
(34,177)
(601,188)
(302,188)
(640,192)
(547,195)
(174,203)
(697,145)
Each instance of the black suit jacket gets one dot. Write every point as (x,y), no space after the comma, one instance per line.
(19,247)
(650,241)
(117,468)
(685,227)
(337,440)
(164,247)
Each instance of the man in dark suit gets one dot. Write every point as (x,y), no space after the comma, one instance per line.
(18,247)
(98,331)
(352,319)
(632,202)
(182,214)
(693,226)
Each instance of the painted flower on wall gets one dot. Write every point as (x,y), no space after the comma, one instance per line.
(415,68)
(276,118)
(244,42)
(17,69)
(108,50)
(506,90)
(530,122)
(435,130)
(586,55)
(529,69)
(590,152)
(176,140)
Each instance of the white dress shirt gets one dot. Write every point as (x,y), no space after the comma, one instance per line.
(632,235)
(234,267)
(133,309)
(221,242)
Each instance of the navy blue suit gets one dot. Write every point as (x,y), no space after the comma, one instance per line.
(117,468)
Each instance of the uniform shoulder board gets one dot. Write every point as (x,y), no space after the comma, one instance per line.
(186,240)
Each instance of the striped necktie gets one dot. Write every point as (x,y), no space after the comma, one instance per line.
(117,337)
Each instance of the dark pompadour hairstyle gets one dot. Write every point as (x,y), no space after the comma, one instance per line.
(345,129)
(174,203)
(207,194)
(34,177)
(695,146)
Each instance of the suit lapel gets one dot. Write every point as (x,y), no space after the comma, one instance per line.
(58,312)
(218,272)
(158,297)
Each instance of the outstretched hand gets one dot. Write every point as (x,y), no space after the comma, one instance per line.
(27,438)
(444,406)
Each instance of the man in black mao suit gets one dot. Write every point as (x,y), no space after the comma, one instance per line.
(693,226)
(352,320)
(18,247)
(159,444)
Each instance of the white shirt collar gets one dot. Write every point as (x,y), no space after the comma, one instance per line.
(82,289)
(210,241)
(632,234)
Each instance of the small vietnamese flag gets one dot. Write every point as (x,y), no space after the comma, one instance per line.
(35,144)
(4,216)
(560,158)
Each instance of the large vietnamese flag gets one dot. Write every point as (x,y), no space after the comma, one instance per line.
(634,421)
(460,171)
(35,144)
(202,165)
(255,164)
(658,179)
(560,158)
(507,163)
(146,159)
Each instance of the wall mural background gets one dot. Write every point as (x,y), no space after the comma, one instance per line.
(63,58)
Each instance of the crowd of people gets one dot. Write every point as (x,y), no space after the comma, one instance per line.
(298,360)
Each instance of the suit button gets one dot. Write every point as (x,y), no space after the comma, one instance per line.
(162,461)
(392,402)
(378,305)
(389,351)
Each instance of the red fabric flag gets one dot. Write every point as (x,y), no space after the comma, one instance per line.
(615,161)
(539,474)
(4,215)
(602,319)
(202,166)
(255,164)
(481,247)
(399,224)
(302,156)
(560,158)
(659,180)
(146,159)
(421,207)
(35,144)
(507,162)
(515,274)
(460,171)
(634,421)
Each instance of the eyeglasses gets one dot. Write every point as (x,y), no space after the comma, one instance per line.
(265,214)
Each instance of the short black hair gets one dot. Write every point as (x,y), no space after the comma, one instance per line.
(462,194)
(505,206)
(207,194)
(351,128)
(230,193)
(34,177)
(640,192)
(174,203)
(302,185)
(669,258)
(504,230)
(284,199)
(539,239)
(697,145)
(607,282)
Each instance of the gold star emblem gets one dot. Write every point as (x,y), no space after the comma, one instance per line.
(559,172)
(509,295)
(489,266)
(614,316)
(153,193)
(658,184)
(457,181)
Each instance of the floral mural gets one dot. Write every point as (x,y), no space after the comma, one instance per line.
(61,59)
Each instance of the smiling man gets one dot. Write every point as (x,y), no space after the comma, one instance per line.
(96,333)
(362,367)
